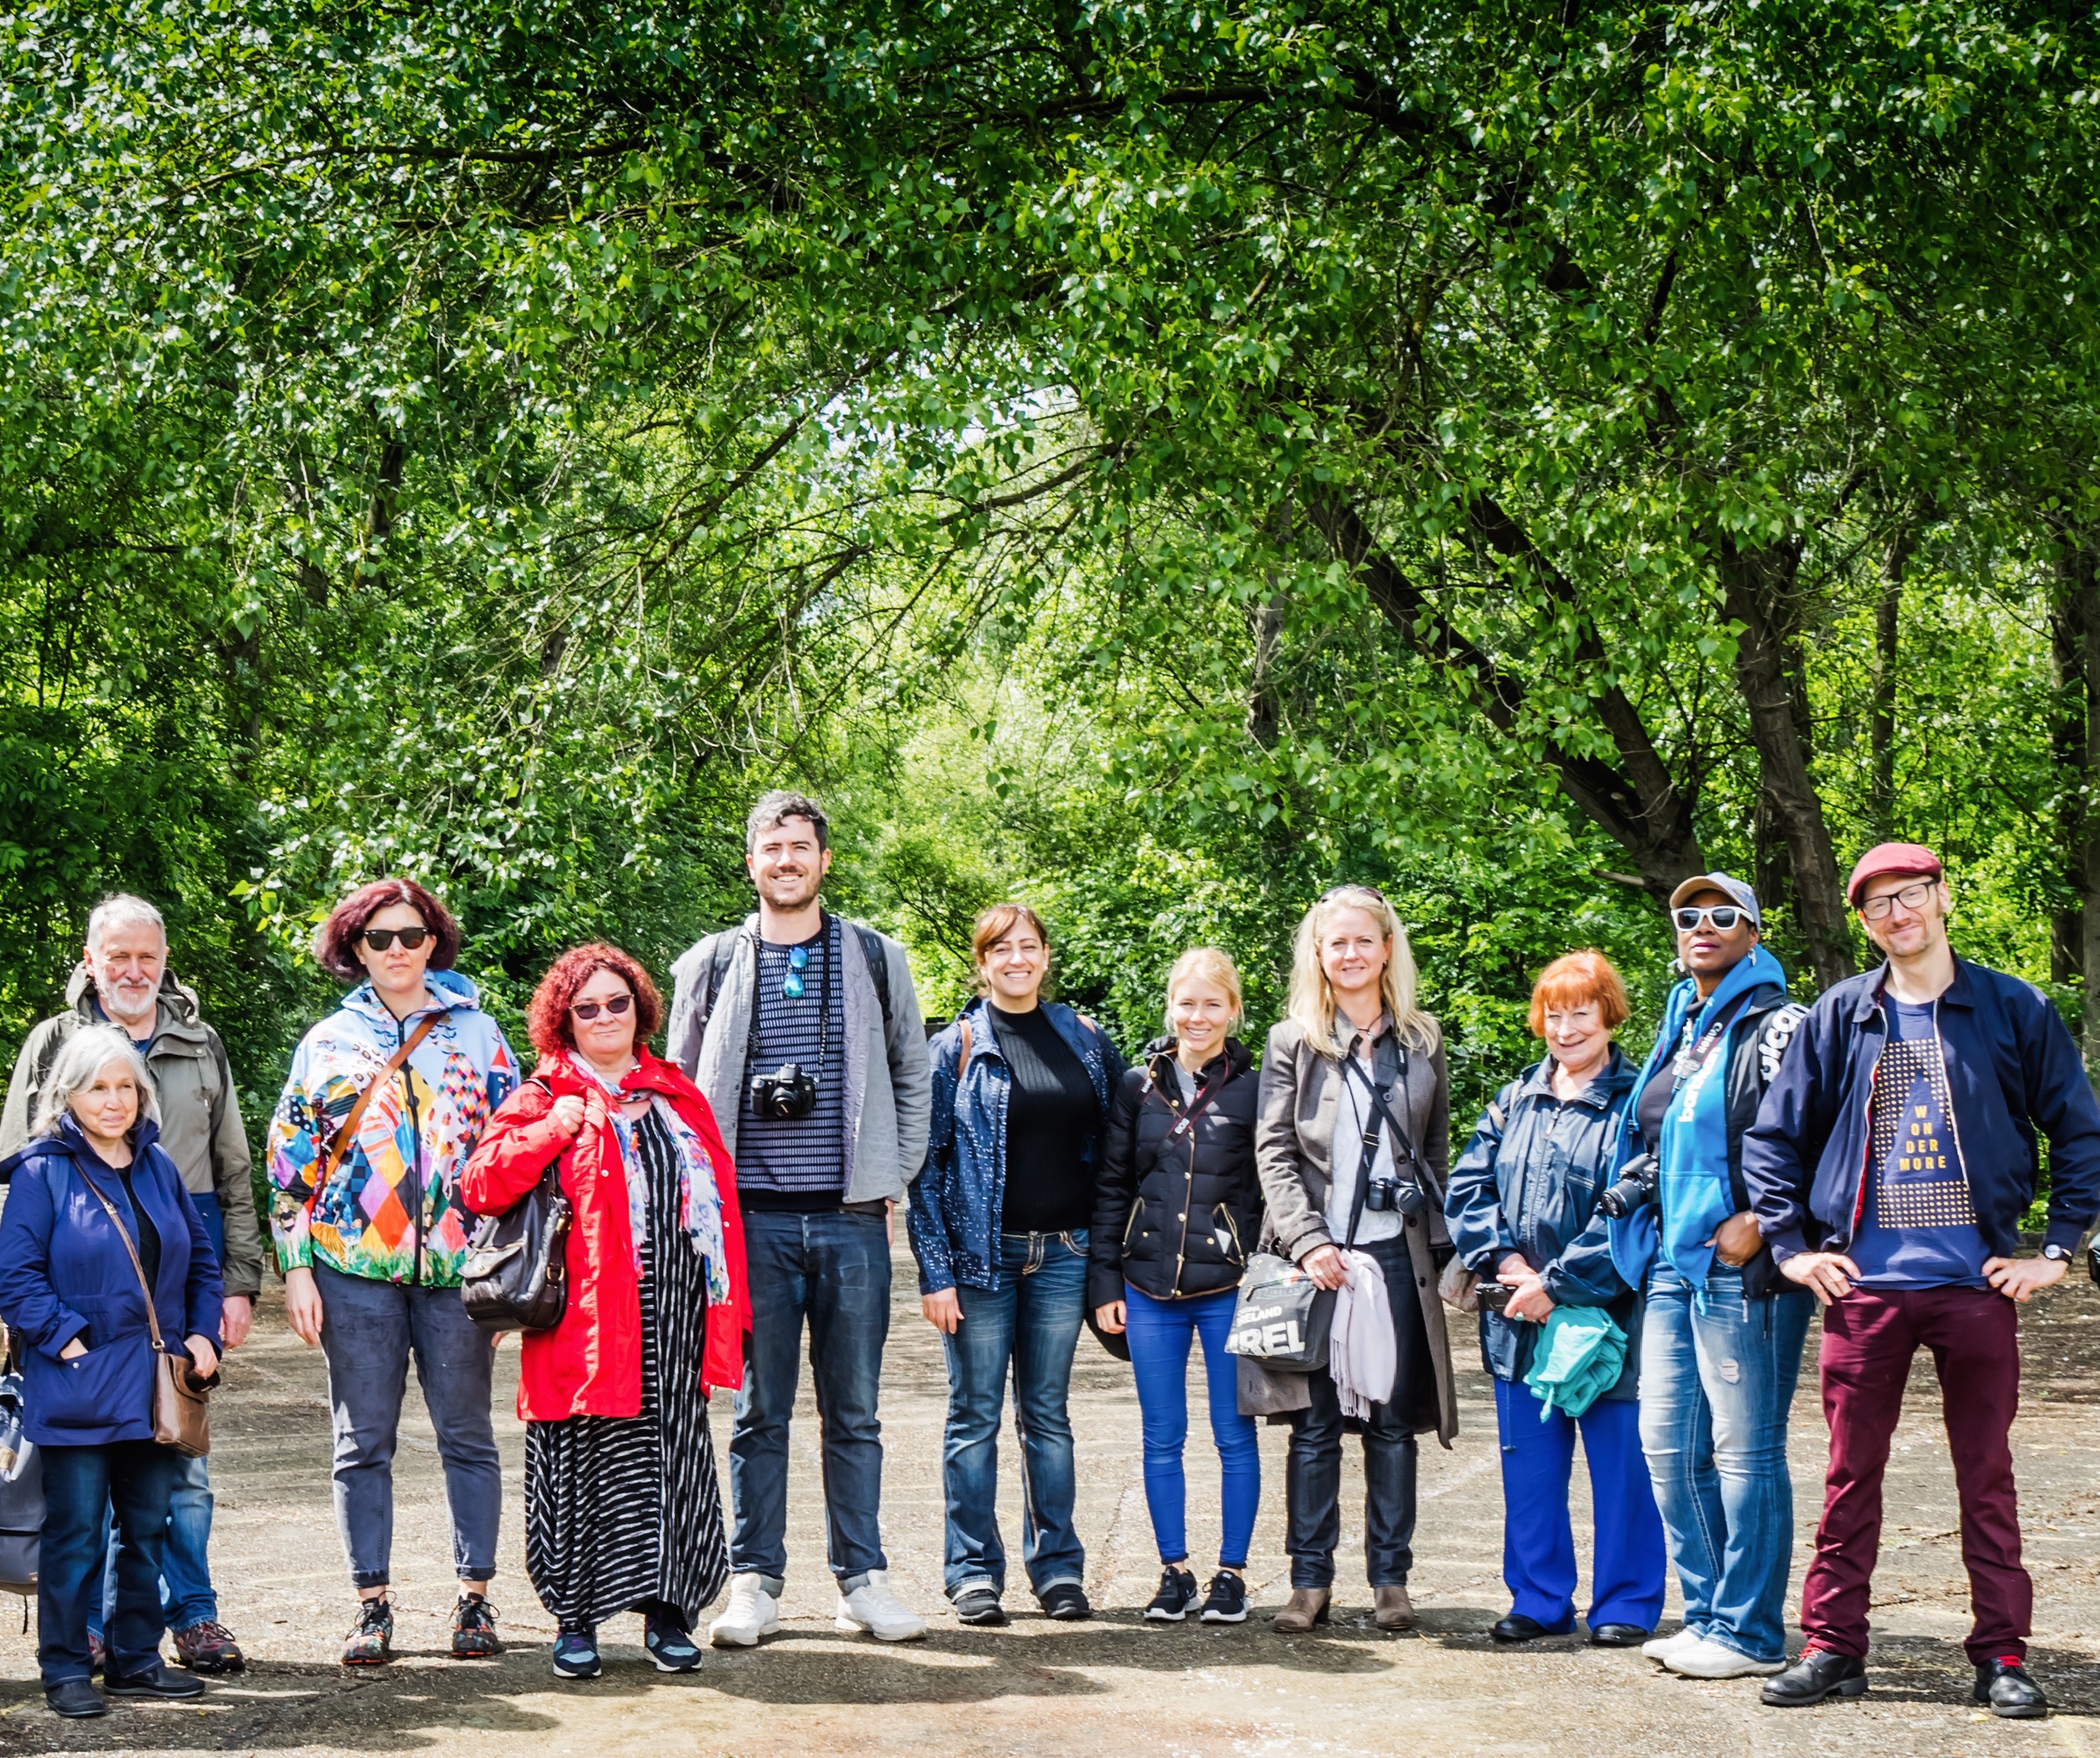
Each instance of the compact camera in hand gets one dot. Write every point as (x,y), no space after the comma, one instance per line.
(1494,1297)
(785,1096)
(1635,1188)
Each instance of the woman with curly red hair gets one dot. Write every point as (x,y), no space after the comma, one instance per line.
(623,1507)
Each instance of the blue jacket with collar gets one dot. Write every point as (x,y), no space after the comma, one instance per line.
(957,1200)
(1529,1182)
(2012,1070)
(64,1271)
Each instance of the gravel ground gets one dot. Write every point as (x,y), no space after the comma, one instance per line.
(1114,1685)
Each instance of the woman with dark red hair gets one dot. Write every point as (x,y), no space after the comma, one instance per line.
(623,1508)
(386,1097)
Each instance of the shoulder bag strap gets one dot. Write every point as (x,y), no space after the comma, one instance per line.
(963,1061)
(340,1145)
(130,1251)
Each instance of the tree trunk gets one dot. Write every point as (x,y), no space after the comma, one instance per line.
(1758,587)
(2078,567)
(2068,739)
(1895,563)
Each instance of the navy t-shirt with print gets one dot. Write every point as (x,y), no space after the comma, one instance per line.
(1917,1227)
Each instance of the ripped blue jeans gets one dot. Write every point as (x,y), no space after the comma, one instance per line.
(1717,1381)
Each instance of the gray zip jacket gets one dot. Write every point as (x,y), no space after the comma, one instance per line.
(888,1082)
(201,1126)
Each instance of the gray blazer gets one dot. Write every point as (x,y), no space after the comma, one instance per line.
(888,1083)
(1294,1150)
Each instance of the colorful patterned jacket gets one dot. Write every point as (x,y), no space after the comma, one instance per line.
(412,1141)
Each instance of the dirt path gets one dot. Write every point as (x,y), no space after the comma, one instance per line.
(1114,1686)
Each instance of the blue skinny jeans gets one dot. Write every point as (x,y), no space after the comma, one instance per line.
(1161,1331)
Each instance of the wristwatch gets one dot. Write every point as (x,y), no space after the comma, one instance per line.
(2058,1253)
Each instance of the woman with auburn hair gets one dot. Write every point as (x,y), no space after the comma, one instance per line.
(623,1506)
(998,1223)
(1352,1144)
(385,1100)
(1523,1212)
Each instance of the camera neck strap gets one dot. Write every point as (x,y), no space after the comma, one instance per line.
(1376,1113)
(825,955)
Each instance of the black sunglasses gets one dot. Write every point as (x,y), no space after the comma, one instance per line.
(588,1010)
(379,939)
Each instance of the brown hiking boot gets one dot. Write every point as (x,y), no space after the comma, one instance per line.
(208,1647)
(1391,1609)
(1308,1606)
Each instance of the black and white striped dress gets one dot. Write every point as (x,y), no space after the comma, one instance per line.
(625,1513)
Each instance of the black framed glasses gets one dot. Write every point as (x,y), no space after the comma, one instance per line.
(798,961)
(1911,897)
(590,1010)
(1723,918)
(379,939)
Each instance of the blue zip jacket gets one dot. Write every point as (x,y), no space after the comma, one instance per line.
(1529,1182)
(64,1270)
(2012,1070)
(957,1199)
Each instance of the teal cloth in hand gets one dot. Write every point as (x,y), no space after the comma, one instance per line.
(1579,1359)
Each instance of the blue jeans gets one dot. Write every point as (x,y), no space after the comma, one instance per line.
(369,1330)
(81,1485)
(1538,1540)
(1030,1323)
(1160,1333)
(1716,1385)
(831,1268)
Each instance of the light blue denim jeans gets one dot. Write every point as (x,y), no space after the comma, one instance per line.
(1717,1383)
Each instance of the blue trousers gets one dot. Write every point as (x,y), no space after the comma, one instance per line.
(1160,1332)
(831,1268)
(1028,1325)
(81,1485)
(1538,1540)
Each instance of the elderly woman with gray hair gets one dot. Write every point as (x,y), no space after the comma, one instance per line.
(96,1213)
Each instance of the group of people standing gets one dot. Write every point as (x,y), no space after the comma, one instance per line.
(1644,1247)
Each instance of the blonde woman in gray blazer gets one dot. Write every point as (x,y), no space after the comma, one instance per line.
(1352,1001)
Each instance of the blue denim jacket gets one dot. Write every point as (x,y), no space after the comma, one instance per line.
(1529,1182)
(958,1196)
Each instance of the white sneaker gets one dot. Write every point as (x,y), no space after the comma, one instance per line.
(1706,1658)
(872,1607)
(1661,1648)
(752,1612)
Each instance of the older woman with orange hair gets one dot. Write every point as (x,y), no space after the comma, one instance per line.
(623,1507)
(1522,1206)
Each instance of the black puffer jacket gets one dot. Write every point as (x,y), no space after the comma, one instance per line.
(1176,1215)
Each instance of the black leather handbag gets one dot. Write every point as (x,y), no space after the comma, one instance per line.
(515,1273)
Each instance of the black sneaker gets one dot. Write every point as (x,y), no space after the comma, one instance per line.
(980,1606)
(76,1699)
(371,1640)
(473,1630)
(1176,1594)
(575,1652)
(158,1682)
(670,1644)
(1225,1602)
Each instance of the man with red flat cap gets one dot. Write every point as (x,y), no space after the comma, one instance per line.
(1888,1167)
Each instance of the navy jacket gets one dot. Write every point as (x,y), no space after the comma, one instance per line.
(1529,1182)
(63,1270)
(956,1201)
(2012,1070)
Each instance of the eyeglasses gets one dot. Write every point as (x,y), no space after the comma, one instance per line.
(1911,897)
(589,1010)
(798,961)
(1721,918)
(380,938)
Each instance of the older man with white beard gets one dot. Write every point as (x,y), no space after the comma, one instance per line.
(123,980)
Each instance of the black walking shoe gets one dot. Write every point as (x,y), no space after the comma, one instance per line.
(1225,1602)
(473,1630)
(2004,1685)
(76,1699)
(1617,1635)
(1065,1601)
(671,1645)
(1517,1627)
(370,1640)
(1820,1673)
(156,1682)
(980,1606)
(1176,1594)
(575,1652)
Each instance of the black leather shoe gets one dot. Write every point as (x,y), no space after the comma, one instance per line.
(1617,1635)
(1516,1628)
(160,1682)
(2004,1685)
(76,1699)
(1818,1674)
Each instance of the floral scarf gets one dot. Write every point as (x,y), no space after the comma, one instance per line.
(700,1200)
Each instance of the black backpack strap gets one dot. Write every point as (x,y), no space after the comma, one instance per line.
(719,957)
(877,955)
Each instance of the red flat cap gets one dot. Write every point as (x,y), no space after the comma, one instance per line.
(1891,857)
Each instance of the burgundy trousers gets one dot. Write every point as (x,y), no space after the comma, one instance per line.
(1868,1338)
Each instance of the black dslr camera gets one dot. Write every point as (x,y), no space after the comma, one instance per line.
(1383,1194)
(1635,1188)
(785,1096)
